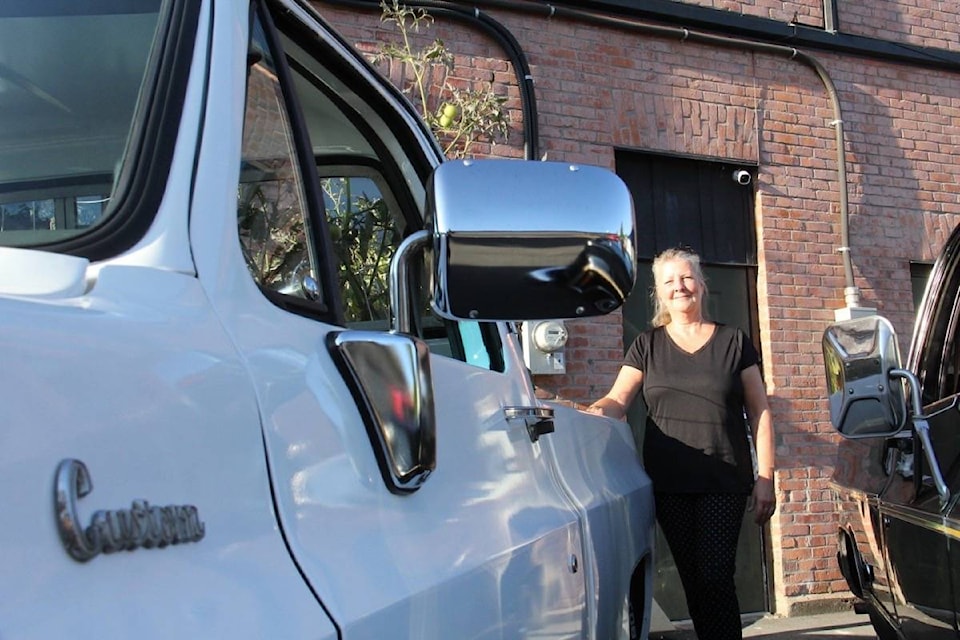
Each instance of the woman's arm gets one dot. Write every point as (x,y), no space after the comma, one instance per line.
(763,501)
(621,394)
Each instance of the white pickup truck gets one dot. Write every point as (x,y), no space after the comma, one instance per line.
(261,377)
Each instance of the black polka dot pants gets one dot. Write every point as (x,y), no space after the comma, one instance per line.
(702,531)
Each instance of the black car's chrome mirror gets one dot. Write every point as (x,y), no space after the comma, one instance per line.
(865,399)
(868,389)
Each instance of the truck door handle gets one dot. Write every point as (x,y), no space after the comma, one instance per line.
(538,420)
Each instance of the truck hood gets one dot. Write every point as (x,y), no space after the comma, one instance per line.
(41,274)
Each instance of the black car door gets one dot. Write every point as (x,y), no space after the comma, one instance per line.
(917,537)
(920,526)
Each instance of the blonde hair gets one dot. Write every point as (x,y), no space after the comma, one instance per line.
(661,316)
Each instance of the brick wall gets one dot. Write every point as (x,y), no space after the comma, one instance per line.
(600,88)
(923,23)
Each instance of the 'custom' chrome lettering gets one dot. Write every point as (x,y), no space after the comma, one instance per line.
(142,525)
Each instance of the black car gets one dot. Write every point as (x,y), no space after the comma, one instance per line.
(897,474)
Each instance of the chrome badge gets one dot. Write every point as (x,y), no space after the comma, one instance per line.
(142,525)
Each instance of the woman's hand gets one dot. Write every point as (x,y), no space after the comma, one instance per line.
(595,408)
(763,501)
(614,404)
(607,408)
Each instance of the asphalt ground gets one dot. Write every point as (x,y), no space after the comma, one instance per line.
(822,626)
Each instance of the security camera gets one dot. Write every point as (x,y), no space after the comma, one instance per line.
(742,176)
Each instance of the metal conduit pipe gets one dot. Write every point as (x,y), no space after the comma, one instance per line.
(851,291)
(502,36)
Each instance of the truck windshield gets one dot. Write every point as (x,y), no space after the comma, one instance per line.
(70,78)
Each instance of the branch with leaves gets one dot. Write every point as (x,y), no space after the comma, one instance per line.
(458,117)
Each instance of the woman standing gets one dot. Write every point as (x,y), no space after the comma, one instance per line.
(698,378)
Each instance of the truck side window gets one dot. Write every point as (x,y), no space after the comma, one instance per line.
(366,202)
(366,228)
(272,213)
(365,231)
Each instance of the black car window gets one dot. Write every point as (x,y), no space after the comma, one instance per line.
(937,340)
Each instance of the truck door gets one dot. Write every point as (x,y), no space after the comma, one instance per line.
(327,181)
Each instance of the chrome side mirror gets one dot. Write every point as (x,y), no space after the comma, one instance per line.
(520,240)
(865,399)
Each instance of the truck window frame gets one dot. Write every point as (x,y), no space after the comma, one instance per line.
(478,344)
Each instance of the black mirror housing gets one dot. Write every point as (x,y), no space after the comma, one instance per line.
(858,356)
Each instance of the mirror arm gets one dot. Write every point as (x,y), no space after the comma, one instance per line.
(399,278)
(922,427)
(914,384)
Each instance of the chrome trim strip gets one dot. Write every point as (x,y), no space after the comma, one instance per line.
(923,519)
(947,525)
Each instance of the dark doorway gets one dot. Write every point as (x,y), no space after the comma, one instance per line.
(707,206)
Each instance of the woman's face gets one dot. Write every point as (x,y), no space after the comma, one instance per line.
(678,287)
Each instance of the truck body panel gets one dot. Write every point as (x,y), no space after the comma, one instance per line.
(182,451)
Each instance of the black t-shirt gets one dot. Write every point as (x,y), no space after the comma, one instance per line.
(695,439)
